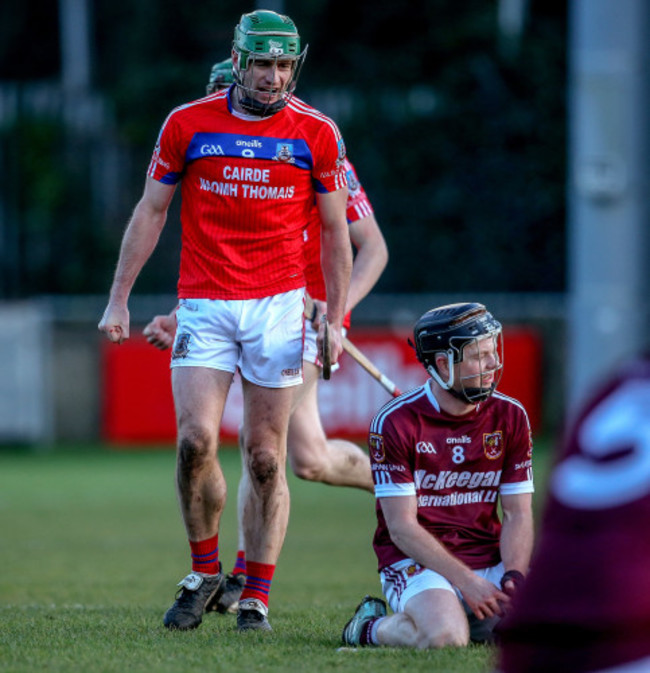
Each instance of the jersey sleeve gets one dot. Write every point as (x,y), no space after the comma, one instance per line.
(391,469)
(518,466)
(168,160)
(328,172)
(358,205)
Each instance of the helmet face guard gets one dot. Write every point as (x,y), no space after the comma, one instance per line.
(449,330)
(264,36)
(221,76)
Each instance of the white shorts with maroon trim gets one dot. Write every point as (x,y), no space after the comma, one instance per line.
(405,579)
(261,337)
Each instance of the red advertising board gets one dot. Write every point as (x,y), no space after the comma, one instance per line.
(138,406)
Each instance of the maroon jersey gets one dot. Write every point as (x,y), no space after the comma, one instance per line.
(456,467)
(585,605)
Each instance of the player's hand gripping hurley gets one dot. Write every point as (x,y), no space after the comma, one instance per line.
(326,356)
(349,347)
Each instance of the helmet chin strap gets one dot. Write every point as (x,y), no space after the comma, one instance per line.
(473,395)
(258,109)
(433,373)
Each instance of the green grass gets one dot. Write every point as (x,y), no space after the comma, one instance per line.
(92,546)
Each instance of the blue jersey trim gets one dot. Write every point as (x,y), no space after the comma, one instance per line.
(293,151)
(170,178)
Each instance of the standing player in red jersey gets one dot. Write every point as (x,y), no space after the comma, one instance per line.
(443,456)
(312,455)
(251,161)
(585,605)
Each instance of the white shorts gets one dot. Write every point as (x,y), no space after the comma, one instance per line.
(310,352)
(261,337)
(405,579)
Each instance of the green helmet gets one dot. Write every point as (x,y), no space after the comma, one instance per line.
(264,35)
(221,76)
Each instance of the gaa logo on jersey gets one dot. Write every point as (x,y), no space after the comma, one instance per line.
(425,447)
(284,153)
(376,444)
(493,445)
(182,346)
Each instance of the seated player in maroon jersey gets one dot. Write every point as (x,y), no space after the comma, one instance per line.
(443,456)
(585,606)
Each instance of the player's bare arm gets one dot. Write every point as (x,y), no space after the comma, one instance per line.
(336,262)
(139,241)
(370,259)
(517,534)
(481,595)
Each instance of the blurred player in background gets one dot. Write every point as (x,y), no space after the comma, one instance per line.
(312,455)
(443,456)
(221,77)
(251,161)
(585,606)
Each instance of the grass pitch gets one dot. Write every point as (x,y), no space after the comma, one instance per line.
(93,545)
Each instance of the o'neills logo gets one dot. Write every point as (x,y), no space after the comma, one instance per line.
(376,446)
(493,445)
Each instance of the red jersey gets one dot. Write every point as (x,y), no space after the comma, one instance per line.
(455,466)
(248,188)
(358,207)
(585,605)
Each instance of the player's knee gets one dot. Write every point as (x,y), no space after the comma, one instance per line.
(309,470)
(310,465)
(263,465)
(307,473)
(446,636)
(195,450)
